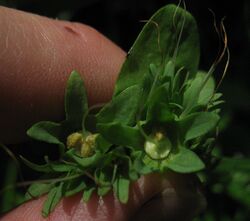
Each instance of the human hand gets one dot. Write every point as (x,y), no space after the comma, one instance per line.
(36,56)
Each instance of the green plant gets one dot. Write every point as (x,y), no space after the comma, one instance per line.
(163,116)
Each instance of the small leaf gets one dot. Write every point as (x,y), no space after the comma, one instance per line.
(88,193)
(184,161)
(159,97)
(191,95)
(215,101)
(60,167)
(103,190)
(121,188)
(85,162)
(74,186)
(169,69)
(104,176)
(179,81)
(48,132)
(133,174)
(161,113)
(8,197)
(146,85)
(53,198)
(122,109)
(76,103)
(199,124)
(38,189)
(216,96)
(207,91)
(123,135)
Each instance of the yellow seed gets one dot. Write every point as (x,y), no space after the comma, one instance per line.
(88,147)
(75,140)
(84,145)
(159,136)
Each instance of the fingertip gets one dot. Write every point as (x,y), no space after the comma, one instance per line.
(37,56)
(152,197)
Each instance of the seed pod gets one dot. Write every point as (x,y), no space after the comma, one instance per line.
(158,147)
(84,145)
(88,146)
(75,140)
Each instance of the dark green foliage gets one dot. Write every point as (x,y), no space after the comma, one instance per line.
(54,196)
(156,44)
(76,103)
(38,189)
(121,188)
(185,161)
(159,118)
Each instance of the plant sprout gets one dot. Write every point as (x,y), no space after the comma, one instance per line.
(163,116)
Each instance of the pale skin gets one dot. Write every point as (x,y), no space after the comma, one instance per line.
(37,55)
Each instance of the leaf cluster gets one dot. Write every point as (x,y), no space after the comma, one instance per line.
(162,116)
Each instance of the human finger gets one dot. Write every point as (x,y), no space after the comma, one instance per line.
(37,55)
(153,197)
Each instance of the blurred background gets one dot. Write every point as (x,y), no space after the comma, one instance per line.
(228,186)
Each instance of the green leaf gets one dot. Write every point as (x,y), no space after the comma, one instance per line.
(123,135)
(207,91)
(85,162)
(160,36)
(38,189)
(199,124)
(8,197)
(103,190)
(121,188)
(53,198)
(48,132)
(88,193)
(199,92)
(122,109)
(76,103)
(179,81)
(148,80)
(184,161)
(216,100)
(104,176)
(191,95)
(161,113)
(133,174)
(169,70)
(74,186)
(60,167)
(157,103)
